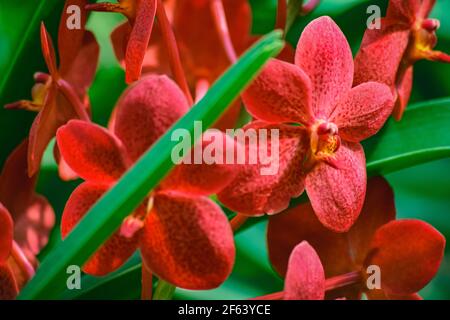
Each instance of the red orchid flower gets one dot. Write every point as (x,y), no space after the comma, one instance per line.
(135,33)
(26,220)
(184,237)
(62,95)
(407,252)
(387,55)
(322,153)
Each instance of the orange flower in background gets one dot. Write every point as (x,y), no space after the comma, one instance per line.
(62,94)
(26,219)
(388,55)
(408,252)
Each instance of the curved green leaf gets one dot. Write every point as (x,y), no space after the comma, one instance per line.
(108,213)
(421,136)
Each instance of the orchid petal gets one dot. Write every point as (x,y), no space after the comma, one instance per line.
(381,52)
(287,229)
(408,253)
(80,72)
(116,250)
(337,194)
(378,209)
(325,56)
(266,183)
(188,241)
(91,151)
(205,178)
(281,93)
(139,39)
(55,113)
(363,111)
(404,92)
(146,110)
(305,278)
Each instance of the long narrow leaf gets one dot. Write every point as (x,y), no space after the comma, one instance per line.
(108,213)
(422,135)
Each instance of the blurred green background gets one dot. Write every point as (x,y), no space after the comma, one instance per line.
(421,192)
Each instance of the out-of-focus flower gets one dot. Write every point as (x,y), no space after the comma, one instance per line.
(26,220)
(62,95)
(407,252)
(387,55)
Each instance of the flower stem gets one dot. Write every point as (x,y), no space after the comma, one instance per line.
(220,20)
(238,221)
(147,283)
(342,280)
(164,290)
(309,7)
(172,49)
(22,261)
(272,296)
(281,15)
(330,284)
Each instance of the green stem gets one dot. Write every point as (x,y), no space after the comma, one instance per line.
(164,290)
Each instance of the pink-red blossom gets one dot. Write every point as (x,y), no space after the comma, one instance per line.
(321,121)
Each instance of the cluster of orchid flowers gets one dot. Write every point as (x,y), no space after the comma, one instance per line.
(322,101)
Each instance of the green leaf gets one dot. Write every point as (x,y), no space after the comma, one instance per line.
(108,213)
(164,290)
(421,136)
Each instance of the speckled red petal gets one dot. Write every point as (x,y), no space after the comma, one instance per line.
(325,56)
(381,52)
(8,286)
(6,233)
(409,253)
(281,93)
(146,110)
(363,111)
(305,278)
(91,151)
(139,38)
(116,250)
(205,178)
(188,241)
(337,194)
(119,39)
(267,186)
